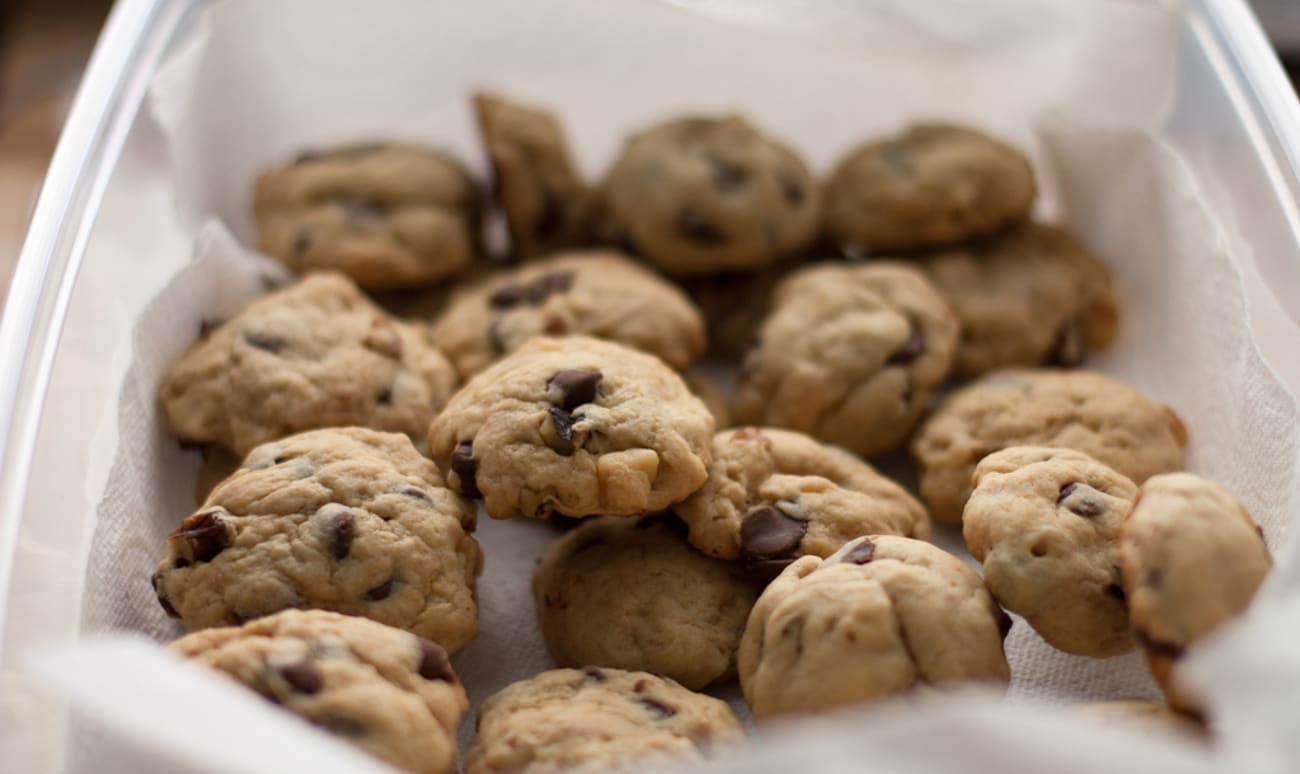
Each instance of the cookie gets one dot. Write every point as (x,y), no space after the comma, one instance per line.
(775,495)
(1192,559)
(389,692)
(709,195)
(574,426)
(878,617)
(1045,523)
(596,719)
(600,294)
(535,184)
(388,216)
(218,465)
(316,354)
(849,355)
(932,186)
(1031,296)
(1148,718)
(344,519)
(703,382)
(633,594)
(1079,410)
(733,305)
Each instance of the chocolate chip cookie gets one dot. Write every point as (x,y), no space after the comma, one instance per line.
(1079,410)
(344,519)
(388,216)
(734,306)
(574,426)
(1192,559)
(537,187)
(1045,522)
(316,354)
(1030,296)
(704,383)
(600,294)
(775,495)
(389,692)
(932,186)
(878,617)
(633,594)
(596,719)
(849,355)
(708,195)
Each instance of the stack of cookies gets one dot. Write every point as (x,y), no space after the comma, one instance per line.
(704,535)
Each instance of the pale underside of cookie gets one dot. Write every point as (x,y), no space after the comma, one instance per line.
(1030,296)
(703,196)
(849,355)
(316,354)
(596,719)
(774,495)
(344,519)
(881,616)
(1076,409)
(932,186)
(535,183)
(388,216)
(574,426)
(389,692)
(1045,524)
(633,594)
(1193,559)
(601,294)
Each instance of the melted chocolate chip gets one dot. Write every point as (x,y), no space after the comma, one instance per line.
(766,570)
(548,285)
(595,674)
(563,422)
(303,676)
(550,218)
(385,396)
(727,178)
(657,709)
(465,467)
(264,342)
(694,228)
(1004,623)
(766,533)
(434,664)
(507,296)
(381,591)
(343,529)
(1079,503)
(204,534)
(576,386)
(1117,591)
(862,553)
(911,349)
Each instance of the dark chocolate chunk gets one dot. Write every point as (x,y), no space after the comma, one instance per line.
(1117,591)
(1004,623)
(563,422)
(727,178)
(385,396)
(339,726)
(550,219)
(272,344)
(911,349)
(1068,349)
(343,529)
(381,591)
(694,228)
(862,553)
(657,709)
(595,674)
(204,534)
(548,285)
(303,676)
(576,385)
(766,533)
(766,570)
(465,467)
(507,296)
(434,664)
(1080,504)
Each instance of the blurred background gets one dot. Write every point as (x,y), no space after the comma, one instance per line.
(44,45)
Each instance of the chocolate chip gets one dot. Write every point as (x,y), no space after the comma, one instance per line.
(301,242)
(862,553)
(1068,349)
(550,219)
(693,228)
(766,533)
(203,534)
(792,191)
(381,591)
(507,296)
(727,178)
(264,342)
(343,529)
(434,664)
(385,396)
(595,674)
(1066,491)
(156,580)
(303,676)
(1004,623)
(548,285)
(1117,591)
(576,386)
(1079,502)
(657,709)
(563,422)
(339,726)
(766,570)
(417,493)
(911,349)
(465,467)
